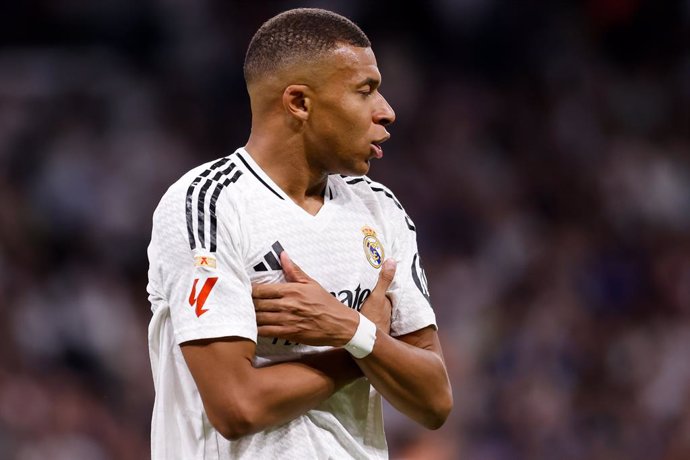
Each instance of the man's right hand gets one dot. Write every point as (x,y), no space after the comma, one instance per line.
(302,311)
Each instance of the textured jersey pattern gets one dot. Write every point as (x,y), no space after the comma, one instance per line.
(222,227)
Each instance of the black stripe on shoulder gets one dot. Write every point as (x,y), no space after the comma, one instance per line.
(357,180)
(388,194)
(258,177)
(201,219)
(212,206)
(215,183)
(375,189)
(188,199)
(200,211)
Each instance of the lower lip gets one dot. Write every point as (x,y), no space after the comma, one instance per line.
(377,150)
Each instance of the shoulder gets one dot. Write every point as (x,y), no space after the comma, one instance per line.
(199,207)
(192,203)
(364,187)
(375,193)
(204,181)
(223,171)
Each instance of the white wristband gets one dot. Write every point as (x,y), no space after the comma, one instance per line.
(362,343)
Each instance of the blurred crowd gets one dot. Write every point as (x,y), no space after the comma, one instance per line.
(542,149)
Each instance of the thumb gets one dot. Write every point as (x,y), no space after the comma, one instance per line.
(293,273)
(386,276)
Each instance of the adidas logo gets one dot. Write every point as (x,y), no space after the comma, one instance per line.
(272,258)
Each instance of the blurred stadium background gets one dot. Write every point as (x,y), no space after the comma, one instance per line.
(542,148)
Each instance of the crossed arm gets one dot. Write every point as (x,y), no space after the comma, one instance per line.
(240,399)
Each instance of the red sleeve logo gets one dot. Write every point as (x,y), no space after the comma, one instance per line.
(203,295)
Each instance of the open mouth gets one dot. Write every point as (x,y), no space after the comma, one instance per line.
(376,150)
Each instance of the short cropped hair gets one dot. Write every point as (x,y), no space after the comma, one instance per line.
(298,34)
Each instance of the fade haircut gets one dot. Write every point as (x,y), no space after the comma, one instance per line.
(301,34)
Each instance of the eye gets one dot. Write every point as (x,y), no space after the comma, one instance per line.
(366,92)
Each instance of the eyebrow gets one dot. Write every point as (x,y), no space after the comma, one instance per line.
(374,83)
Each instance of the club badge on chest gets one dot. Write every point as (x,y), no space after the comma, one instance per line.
(373,250)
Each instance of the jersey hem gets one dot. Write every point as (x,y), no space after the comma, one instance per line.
(415,328)
(187,335)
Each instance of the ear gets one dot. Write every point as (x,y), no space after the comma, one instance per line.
(297,101)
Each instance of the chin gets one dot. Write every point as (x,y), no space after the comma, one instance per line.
(361,170)
(353,170)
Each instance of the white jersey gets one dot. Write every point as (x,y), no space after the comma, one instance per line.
(219,229)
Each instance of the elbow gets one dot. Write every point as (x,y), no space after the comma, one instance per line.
(438,411)
(436,420)
(233,430)
(232,424)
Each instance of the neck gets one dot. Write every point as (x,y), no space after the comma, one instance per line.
(287,165)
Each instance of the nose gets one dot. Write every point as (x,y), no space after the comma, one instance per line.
(384,114)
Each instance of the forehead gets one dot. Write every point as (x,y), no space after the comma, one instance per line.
(352,63)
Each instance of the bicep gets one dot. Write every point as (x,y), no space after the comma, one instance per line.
(425,338)
(240,399)
(222,370)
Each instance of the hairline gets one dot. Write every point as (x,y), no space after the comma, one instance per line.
(298,59)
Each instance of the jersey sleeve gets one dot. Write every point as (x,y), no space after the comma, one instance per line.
(409,290)
(206,286)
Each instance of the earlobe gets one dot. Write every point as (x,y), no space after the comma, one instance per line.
(297,102)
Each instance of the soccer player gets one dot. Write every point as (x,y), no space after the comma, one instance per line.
(279,314)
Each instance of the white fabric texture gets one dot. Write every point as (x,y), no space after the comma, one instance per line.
(219,229)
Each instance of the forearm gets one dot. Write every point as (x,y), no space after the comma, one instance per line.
(408,371)
(241,399)
(287,390)
(413,379)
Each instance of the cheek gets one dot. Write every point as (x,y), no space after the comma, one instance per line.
(340,128)
(345,124)
(356,123)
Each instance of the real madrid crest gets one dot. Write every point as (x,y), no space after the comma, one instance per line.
(372,247)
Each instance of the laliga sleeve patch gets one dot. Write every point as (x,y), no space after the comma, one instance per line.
(199,301)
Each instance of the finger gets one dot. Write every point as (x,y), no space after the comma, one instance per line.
(267,291)
(272,331)
(386,276)
(267,305)
(292,271)
(269,318)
